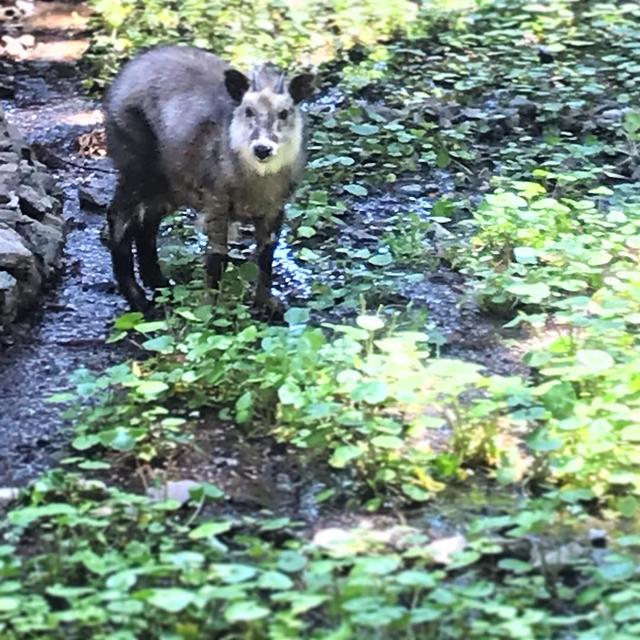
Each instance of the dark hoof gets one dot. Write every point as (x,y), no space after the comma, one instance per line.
(156,282)
(269,308)
(137,300)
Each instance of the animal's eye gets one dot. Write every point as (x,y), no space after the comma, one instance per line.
(283,114)
(248,112)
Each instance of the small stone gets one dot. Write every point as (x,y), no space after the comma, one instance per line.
(7,495)
(11,217)
(9,302)
(92,199)
(412,189)
(525,107)
(545,55)
(443,549)
(45,241)
(13,253)
(178,490)
(32,203)
(16,258)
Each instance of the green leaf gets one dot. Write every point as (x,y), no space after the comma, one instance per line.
(170,599)
(291,561)
(370,323)
(343,455)
(599,258)
(594,360)
(234,573)
(536,292)
(506,200)
(371,392)
(162,344)
(355,189)
(388,442)
(120,439)
(525,255)
(275,581)
(443,160)
(209,529)
(416,493)
(249,271)
(82,443)
(297,316)
(116,337)
(364,129)
(306,232)
(122,581)
(129,320)
(150,388)
(631,433)
(245,611)
(150,327)
(27,515)
(416,578)
(516,566)
(94,465)
(290,394)
(381,259)
(9,604)
(627,506)
(377,565)
(617,571)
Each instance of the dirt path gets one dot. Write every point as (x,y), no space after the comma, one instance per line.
(67,331)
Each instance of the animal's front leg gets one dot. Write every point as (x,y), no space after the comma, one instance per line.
(267,234)
(217,225)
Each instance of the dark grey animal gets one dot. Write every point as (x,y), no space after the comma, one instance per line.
(185,129)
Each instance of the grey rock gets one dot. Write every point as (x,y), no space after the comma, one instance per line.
(33,204)
(53,220)
(9,298)
(412,189)
(13,253)
(93,199)
(526,109)
(179,490)
(9,182)
(44,241)
(31,229)
(11,217)
(8,495)
(18,260)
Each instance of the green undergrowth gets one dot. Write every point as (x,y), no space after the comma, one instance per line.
(497,139)
(106,563)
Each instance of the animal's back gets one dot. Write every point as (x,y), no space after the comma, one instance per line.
(159,102)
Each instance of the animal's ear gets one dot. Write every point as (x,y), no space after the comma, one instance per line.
(301,87)
(236,83)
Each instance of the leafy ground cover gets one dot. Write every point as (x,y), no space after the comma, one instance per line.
(497,141)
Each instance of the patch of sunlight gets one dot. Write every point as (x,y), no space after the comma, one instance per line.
(92,116)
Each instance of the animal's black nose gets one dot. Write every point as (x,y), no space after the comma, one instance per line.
(262,151)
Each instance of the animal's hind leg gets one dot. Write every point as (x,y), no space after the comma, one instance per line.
(267,234)
(122,225)
(216,258)
(146,237)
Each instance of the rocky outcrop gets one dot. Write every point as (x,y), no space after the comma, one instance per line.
(31,225)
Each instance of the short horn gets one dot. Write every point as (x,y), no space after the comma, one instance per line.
(256,85)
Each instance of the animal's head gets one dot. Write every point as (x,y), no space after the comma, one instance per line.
(266,128)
